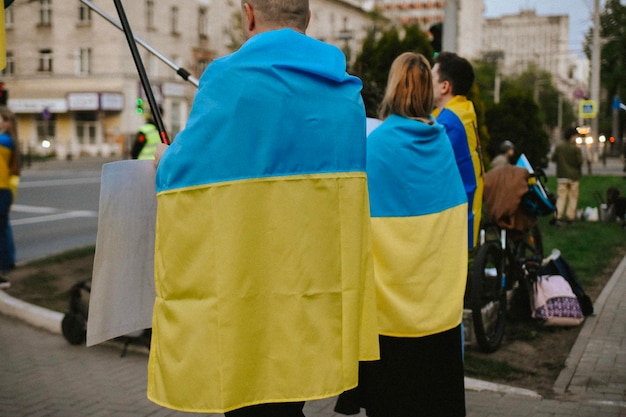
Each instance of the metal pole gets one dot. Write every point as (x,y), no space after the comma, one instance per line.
(142,72)
(450,26)
(184,74)
(595,68)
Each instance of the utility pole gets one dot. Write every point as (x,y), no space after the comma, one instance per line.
(595,68)
(450,26)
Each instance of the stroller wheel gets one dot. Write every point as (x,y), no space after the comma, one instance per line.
(74,328)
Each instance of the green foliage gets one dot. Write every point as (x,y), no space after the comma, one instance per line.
(588,246)
(64,256)
(517,118)
(485,73)
(479,106)
(379,50)
(534,84)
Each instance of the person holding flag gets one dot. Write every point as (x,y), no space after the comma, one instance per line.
(263,269)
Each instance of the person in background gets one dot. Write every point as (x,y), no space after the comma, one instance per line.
(146,140)
(264,281)
(9,180)
(453,77)
(418,206)
(569,161)
(507,150)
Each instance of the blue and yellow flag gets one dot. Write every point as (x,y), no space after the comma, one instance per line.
(263,267)
(419,228)
(459,118)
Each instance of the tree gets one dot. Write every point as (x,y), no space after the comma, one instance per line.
(517,118)
(546,96)
(534,85)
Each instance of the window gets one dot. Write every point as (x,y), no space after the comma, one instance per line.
(9,18)
(45,12)
(86,127)
(152,65)
(83,61)
(174,17)
(176,124)
(46,127)
(202,65)
(10,67)
(45,60)
(150,14)
(84,15)
(203,25)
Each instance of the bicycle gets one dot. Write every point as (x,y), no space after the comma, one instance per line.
(506,258)
(501,263)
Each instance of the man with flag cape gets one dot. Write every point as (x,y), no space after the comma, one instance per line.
(263,269)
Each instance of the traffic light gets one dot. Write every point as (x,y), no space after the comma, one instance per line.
(4,95)
(139,108)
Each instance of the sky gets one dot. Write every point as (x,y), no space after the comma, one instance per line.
(580,14)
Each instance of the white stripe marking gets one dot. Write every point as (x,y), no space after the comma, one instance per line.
(51,214)
(52,183)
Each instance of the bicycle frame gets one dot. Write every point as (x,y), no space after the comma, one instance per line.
(500,263)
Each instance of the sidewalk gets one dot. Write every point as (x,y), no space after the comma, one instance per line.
(36,357)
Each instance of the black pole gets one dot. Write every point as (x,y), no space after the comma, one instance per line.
(142,72)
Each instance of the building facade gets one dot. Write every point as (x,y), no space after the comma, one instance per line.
(527,39)
(465,19)
(73,83)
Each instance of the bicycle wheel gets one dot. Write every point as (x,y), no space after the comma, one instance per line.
(530,248)
(488,297)
(529,254)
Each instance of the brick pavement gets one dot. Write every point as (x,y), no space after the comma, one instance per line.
(41,375)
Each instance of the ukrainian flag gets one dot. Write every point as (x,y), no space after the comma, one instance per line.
(263,267)
(419,228)
(459,118)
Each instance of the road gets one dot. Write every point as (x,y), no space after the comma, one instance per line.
(56,208)
(57,205)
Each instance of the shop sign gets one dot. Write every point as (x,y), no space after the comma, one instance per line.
(38,105)
(111,102)
(83,101)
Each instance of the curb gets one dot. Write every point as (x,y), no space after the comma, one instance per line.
(34,315)
(479,386)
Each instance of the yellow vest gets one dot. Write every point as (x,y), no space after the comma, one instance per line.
(152,140)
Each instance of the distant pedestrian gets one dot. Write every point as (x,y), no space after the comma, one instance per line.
(569,161)
(507,150)
(147,139)
(9,177)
